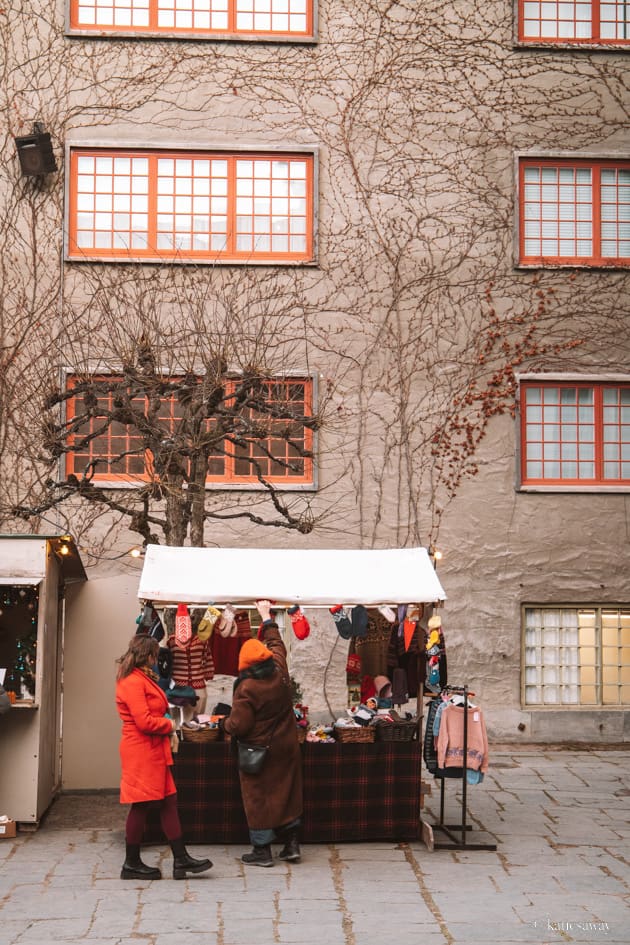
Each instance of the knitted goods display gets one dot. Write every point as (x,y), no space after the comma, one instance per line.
(183,625)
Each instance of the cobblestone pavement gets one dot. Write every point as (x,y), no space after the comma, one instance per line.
(560,873)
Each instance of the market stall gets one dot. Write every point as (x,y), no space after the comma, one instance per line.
(34,573)
(353,791)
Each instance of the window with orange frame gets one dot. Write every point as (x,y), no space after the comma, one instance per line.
(575,434)
(574,21)
(574,212)
(292,19)
(274,446)
(177,205)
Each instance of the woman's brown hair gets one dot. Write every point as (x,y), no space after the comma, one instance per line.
(141,651)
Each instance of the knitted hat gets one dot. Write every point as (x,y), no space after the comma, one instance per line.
(383,687)
(252,651)
(363,715)
(367,688)
(435,622)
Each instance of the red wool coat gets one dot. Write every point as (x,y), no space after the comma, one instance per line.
(145,746)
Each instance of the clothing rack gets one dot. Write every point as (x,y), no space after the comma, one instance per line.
(462,842)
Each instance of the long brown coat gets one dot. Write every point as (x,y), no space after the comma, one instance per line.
(272,798)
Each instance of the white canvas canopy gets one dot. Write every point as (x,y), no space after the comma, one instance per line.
(312,578)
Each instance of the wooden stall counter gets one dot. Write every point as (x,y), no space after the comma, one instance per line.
(352,792)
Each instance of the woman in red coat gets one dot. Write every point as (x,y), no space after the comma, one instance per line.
(262,713)
(146,760)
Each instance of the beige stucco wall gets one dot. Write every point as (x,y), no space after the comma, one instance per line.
(100,620)
(503,549)
(417,122)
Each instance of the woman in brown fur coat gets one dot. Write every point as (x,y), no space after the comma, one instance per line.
(262,714)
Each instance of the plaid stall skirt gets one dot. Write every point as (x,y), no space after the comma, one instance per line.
(352,792)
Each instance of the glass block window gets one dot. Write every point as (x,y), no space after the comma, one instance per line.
(251,18)
(574,21)
(271,444)
(574,212)
(576,656)
(575,434)
(202,206)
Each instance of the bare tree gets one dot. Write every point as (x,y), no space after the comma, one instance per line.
(171,379)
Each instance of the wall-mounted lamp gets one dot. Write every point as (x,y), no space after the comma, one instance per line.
(35,152)
(435,555)
(136,552)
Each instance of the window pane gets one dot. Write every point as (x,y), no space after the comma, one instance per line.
(615,210)
(266,16)
(189,205)
(559,205)
(564,443)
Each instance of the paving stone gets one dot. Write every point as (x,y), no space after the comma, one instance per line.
(562,857)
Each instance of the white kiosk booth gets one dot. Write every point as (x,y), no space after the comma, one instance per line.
(34,571)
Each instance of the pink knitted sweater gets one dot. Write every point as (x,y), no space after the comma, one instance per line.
(450,741)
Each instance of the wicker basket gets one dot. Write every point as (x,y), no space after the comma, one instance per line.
(402,731)
(351,733)
(200,734)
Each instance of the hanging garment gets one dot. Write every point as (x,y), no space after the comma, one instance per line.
(429,751)
(400,687)
(192,664)
(438,718)
(436,677)
(450,741)
(225,652)
(374,646)
(410,660)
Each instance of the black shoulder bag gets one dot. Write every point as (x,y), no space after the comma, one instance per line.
(251,758)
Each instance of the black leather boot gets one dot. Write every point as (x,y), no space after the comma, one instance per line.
(184,863)
(260,856)
(134,868)
(291,848)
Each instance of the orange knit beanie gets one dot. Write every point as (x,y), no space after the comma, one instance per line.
(252,651)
